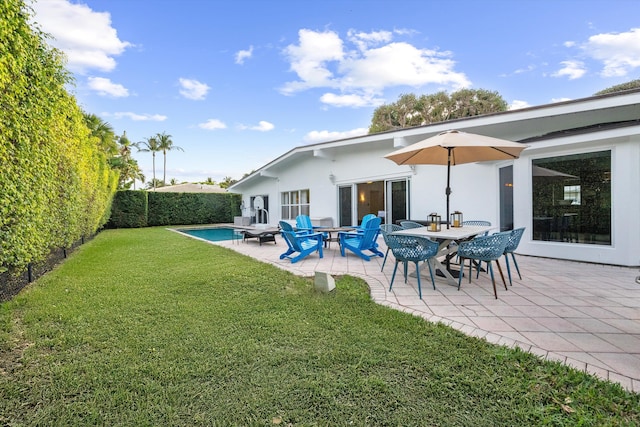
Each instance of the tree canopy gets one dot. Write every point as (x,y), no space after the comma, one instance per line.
(633,84)
(410,110)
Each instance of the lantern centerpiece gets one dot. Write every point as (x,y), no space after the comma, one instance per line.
(456,219)
(434,222)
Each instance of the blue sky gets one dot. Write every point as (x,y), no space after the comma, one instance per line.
(238,83)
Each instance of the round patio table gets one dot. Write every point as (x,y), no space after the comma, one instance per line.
(330,237)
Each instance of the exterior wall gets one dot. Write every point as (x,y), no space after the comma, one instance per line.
(322,168)
(625,182)
(472,185)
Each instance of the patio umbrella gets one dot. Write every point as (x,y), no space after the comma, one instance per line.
(454,148)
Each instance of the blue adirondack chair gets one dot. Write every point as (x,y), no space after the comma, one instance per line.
(300,245)
(366,240)
(303,225)
(366,219)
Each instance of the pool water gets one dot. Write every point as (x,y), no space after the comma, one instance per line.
(216,234)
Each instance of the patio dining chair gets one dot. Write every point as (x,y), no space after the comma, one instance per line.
(385,230)
(475,222)
(512,245)
(410,224)
(362,241)
(485,248)
(302,245)
(478,222)
(414,249)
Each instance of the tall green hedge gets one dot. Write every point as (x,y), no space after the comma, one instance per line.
(142,208)
(55,182)
(192,208)
(129,210)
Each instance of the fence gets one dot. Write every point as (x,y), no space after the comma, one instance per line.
(12,282)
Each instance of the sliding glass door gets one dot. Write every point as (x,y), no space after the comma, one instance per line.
(387,199)
(397,200)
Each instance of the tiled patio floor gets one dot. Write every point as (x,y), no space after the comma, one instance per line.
(584,315)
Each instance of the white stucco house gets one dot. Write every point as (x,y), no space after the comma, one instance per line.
(576,188)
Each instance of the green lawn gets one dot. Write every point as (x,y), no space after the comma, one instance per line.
(147,327)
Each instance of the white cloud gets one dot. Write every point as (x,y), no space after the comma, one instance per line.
(106,87)
(139,117)
(351,100)
(402,64)
(85,36)
(325,135)
(212,124)
(364,40)
(241,55)
(193,89)
(320,59)
(619,52)
(518,104)
(263,126)
(571,69)
(560,99)
(309,59)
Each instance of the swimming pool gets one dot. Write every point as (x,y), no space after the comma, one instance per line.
(214,234)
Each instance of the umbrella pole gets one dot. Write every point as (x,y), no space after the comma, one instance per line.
(448,190)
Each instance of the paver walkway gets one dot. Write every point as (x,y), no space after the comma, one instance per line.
(584,315)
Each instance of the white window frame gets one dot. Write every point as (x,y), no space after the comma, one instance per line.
(294,203)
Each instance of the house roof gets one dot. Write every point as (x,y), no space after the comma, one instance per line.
(191,188)
(592,114)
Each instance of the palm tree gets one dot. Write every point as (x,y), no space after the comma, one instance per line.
(104,132)
(227,181)
(129,173)
(165,144)
(150,145)
(124,145)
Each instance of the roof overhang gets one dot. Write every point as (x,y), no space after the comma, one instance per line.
(527,124)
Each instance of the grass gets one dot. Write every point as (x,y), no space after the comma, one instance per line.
(147,327)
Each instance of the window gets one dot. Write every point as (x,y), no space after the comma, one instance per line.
(295,203)
(572,198)
(572,192)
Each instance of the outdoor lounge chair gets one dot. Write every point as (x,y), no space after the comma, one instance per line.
(362,241)
(263,236)
(300,245)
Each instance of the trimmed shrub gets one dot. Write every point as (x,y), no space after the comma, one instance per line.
(192,208)
(129,209)
(141,208)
